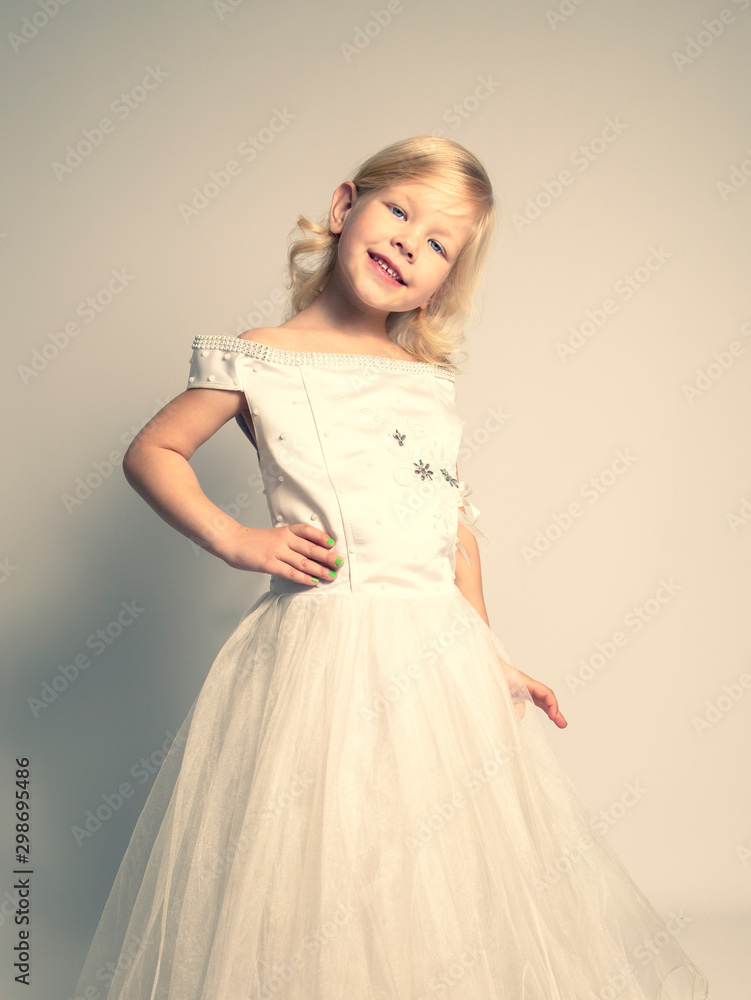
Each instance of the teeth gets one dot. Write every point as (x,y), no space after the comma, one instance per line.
(386,268)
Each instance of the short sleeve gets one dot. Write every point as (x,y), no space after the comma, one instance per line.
(213,367)
(215,364)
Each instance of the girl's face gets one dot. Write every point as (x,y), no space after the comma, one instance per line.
(412,228)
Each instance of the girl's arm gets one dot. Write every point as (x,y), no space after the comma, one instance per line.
(157,466)
(469,578)
(469,581)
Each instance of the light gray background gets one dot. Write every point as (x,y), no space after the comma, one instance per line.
(548,83)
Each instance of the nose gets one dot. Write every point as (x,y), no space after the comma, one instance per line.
(407,244)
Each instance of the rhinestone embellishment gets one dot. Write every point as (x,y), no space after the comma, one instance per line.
(253,349)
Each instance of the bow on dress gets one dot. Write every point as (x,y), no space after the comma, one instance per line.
(468,519)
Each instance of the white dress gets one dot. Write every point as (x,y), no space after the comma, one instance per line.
(362,803)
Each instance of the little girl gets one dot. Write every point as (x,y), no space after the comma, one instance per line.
(362,803)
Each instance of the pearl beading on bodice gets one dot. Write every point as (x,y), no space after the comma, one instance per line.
(364,446)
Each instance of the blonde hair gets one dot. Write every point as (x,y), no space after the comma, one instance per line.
(432,333)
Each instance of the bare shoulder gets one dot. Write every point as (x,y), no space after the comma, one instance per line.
(286,338)
(271,336)
(290,338)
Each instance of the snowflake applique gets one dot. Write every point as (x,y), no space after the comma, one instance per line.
(399,438)
(449,478)
(423,470)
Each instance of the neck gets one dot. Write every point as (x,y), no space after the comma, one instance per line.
(333,312)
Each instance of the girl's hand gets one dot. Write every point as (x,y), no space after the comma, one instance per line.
(544,698)
(540,693)
(297,552)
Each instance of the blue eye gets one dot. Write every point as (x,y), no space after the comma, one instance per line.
(397,209)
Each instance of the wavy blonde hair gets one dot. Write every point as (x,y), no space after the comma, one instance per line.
(432,333)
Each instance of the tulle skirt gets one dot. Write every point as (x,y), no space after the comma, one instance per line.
(363,804)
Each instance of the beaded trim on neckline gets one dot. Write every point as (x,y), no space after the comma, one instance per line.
(265,352)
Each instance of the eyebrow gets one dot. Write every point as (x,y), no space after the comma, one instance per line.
(405,197)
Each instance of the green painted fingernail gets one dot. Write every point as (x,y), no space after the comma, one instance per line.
(315,579)
(332,572)
(338,560)
(329,541)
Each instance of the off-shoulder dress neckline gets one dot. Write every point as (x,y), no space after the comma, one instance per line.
(255,349)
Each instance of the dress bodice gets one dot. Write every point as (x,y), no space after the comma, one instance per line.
(362,447)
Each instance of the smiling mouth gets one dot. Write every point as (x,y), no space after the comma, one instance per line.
(391,272)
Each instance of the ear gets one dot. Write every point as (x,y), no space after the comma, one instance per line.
(342,201)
